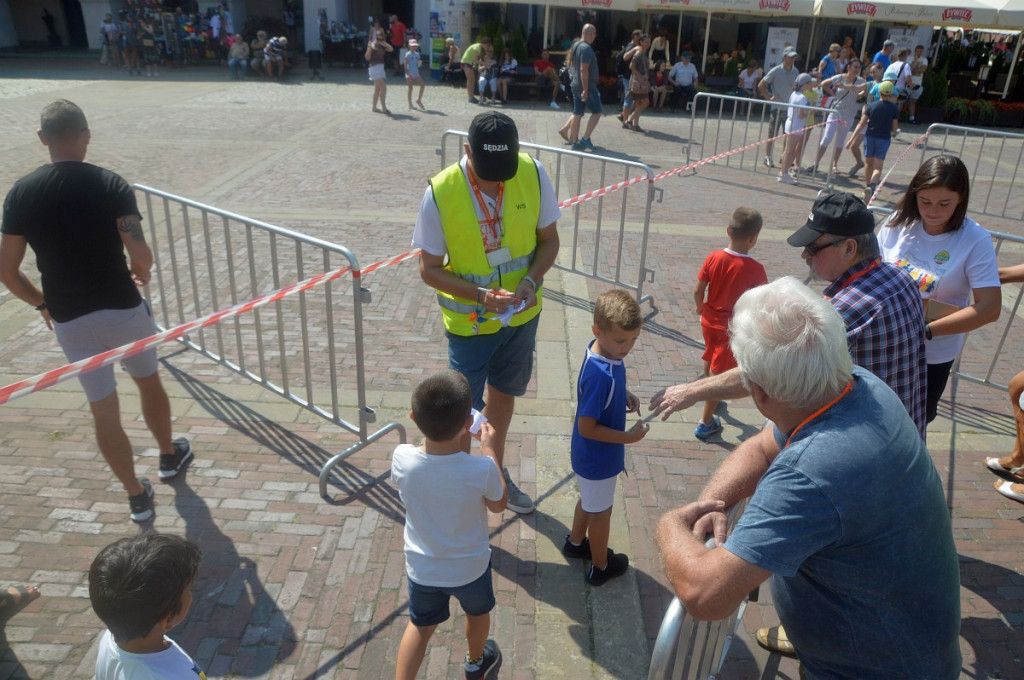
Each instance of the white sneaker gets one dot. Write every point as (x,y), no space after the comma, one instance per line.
(786,179)
(555,106)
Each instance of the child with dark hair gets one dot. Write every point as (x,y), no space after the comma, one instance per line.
(447,494)
(599,434)
(725,276)
(140,589)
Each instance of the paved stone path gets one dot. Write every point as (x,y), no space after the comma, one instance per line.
(292,586)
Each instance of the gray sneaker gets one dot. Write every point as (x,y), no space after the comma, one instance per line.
(173,463)
(517,500)
(142,504)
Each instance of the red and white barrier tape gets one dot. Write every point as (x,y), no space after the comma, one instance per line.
(44,380)
(898,161)
(50,378)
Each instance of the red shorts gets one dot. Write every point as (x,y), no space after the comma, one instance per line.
(717,349)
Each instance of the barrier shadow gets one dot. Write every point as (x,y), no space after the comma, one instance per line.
(234,626)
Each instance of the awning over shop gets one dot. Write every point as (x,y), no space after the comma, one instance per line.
(1010,14)
(797,8)
(967,12)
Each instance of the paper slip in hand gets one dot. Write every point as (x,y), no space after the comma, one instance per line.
(506,317)
(478,420)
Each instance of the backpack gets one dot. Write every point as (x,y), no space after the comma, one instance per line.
(621,63)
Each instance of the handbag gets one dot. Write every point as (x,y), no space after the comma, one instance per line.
(639,84)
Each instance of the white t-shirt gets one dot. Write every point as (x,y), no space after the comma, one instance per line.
(429,234)
(946,268)
(113,663)
(918,62)
(412,64)
(795,117)
(446,540)
(748,80)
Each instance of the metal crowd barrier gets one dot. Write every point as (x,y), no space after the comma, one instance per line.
(993,159)
(687,649)
(301,347)
(721,123)
(603,228)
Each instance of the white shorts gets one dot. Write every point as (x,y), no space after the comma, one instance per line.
(377,72)
(596,495)
(915,93)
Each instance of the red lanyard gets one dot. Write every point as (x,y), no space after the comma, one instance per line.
(846,390)
(853,277)
(490,227)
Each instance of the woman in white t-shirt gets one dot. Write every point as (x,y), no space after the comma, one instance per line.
(950,257)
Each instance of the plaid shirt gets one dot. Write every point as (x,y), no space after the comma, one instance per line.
(884,320)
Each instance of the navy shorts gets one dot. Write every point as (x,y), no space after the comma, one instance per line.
(876,147)
(593,103)
(428,605)
(504,360)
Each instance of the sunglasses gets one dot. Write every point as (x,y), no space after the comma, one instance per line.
(813,250)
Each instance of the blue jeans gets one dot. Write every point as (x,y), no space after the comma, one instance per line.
(233,65)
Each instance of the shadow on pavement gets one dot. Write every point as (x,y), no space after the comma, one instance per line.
(231,606)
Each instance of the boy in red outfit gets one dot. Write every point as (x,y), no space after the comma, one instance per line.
(724,277)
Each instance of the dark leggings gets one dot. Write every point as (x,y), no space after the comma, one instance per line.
(938,375)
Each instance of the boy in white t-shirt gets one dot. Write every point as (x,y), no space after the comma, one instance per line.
(140,587)
(412,71)
(795,123)
(447,494)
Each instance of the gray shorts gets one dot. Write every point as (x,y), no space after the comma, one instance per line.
(103,330)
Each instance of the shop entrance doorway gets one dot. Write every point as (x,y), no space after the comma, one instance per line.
(75,21)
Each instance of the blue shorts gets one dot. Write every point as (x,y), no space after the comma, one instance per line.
(503,360)
(593,102)
(428,605)
(102,330)
(876,147)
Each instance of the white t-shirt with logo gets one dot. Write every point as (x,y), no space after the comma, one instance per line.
(918,62)
(946,268)
(113,663)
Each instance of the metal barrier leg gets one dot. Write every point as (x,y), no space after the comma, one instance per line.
(325,472)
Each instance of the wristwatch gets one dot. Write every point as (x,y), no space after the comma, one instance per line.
(927,331)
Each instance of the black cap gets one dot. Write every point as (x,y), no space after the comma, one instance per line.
(494,143)
(839,214)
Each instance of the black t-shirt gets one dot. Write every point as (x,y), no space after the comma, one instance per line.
(621,64)
(880,117)
(68,213)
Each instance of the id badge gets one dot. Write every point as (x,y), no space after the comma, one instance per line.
(498,257)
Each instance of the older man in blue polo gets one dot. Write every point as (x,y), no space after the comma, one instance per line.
(846,515)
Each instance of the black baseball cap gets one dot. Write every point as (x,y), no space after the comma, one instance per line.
(494,143)
(839,214)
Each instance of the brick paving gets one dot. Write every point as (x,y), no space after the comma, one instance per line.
(292,586)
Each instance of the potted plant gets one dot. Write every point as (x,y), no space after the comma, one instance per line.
(958,110)
(1009,114)
(984,110)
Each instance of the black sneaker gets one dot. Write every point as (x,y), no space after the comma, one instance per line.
(142,505)
(617,565)
(489,664)
(581,551)
(173,463)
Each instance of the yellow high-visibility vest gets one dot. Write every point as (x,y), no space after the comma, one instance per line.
(466,256)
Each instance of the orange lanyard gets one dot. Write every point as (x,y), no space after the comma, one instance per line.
(491,229)
(846,390)
(853,277)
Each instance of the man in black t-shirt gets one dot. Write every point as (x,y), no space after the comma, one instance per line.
(79,220)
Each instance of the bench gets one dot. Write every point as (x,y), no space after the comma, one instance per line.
(687,649)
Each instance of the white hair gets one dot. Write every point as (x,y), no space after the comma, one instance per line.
(791,342)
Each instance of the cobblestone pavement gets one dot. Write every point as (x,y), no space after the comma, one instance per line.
(292,586)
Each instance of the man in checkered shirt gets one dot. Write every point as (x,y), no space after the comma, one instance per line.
(879,304)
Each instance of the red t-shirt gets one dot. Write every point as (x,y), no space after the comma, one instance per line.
(398,34)
(540,66)
(728,275)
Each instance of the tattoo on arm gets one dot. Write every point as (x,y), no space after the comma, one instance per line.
(131,225)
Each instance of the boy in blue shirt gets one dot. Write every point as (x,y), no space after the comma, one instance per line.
(599,433)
